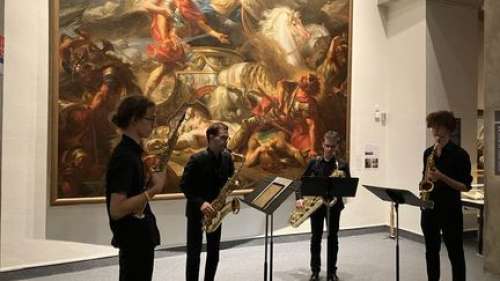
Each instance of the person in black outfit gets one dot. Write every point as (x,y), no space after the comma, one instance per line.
(323,166)
(204,175)
(452,175)
(132,223)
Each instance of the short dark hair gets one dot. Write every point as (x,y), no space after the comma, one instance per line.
(332,135)
(214,129)
(131,108)
(442,118)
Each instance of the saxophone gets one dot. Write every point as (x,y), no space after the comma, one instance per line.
(223,208)
(299,215)
(163,151)
(426,186)
(312,203)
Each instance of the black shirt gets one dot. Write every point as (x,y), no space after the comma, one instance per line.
(203,177)
(319,167)
(126,175)
(454,162)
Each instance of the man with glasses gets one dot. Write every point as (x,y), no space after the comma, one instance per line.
(128,192)
(324,166)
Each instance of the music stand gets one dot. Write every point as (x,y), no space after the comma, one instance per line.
(266,197)
(328,188)
(398,196)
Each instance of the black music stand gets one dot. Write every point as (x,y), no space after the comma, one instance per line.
(266,197)
(398,196)
(329,188)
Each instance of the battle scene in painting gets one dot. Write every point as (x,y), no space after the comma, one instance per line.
(275,71)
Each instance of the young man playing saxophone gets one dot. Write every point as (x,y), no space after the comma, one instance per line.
(325,166)
(204,175)
(450,174)
(128,192)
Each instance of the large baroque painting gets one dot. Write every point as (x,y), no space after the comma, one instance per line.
(275,71)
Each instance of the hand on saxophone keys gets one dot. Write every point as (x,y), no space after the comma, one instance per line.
(434,175)
(207,209)
(299,204)
(157,182)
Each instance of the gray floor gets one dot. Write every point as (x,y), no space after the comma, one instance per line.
(362,257)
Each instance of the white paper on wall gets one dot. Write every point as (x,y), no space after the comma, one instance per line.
(371,156)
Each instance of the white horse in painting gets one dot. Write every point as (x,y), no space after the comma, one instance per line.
(284,26)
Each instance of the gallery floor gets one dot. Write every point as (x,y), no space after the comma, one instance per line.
(363,257)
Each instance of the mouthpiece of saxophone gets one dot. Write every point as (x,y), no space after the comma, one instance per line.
(236,156)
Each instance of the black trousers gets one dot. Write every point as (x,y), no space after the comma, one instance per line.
(450,224)
(317,222)
(194,241)
(136,263)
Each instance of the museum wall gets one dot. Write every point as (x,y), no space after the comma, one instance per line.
(453,35)
(388,63)
(405,80)
(453,50)
(492,105)
(1,97)
(24,142)
(441,74)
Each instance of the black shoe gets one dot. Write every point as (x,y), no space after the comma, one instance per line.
(314,276)
(334,277)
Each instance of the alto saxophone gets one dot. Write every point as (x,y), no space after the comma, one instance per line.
(163,150)
(426,186)
(222,208)
(312,203)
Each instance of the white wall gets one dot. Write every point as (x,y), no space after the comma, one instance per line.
(389,73)
(1,102)
(492,104)
(388,64)
(452,58)
(24,142)
(427,60)
(405,78)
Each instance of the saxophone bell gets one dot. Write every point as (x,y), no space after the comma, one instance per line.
(222,207)
(425,189)
(426,186)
